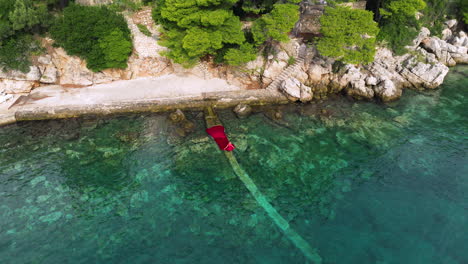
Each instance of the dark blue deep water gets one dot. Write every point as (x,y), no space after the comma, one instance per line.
(360,182)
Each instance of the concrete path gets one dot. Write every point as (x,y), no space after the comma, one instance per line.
(147,94)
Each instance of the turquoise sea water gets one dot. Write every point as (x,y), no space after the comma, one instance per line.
(361,182)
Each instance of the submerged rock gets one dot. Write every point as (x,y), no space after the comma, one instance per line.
(243,110)
(177,116)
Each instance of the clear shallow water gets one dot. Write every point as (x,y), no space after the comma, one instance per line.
(362,183)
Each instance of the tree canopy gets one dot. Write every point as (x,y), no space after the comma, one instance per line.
(275,25)
(19,19)
(349,35)
(193,29)
(399,25)
(94,33)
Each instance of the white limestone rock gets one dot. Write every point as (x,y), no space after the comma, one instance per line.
(387,91)
(291,87)
(71,70)
(15,87)
(306,94)
(358,89)
(371,80)
(447,34)
(451,23)
(422,75)
(33,74)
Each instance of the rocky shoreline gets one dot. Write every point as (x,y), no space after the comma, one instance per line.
(296,72)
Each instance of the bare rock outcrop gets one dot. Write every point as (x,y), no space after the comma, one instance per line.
(14,87)
(295,90)
(34,74)
(423,75)
(387,91)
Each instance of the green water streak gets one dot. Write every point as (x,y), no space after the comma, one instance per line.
(297,240)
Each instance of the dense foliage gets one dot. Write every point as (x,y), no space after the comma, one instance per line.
(435,14)
(96,34)
(275,25)
(19,19)
(464,10)
(238,56)
(349,35)
(399,25)
(194,29)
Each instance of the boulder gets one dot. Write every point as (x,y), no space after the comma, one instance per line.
(177,116)
(34,74)
(387,91)
(15,87)
(316,72)
(447,34)
(371,80)
(291,87)
(423,34)
(451,23)
(242,110)
(306,94)
(352,74)
(292,48)
(300,75)
(273,70)
(422,75)
(358,89)
(442,50)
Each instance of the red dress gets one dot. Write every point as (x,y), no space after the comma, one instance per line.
(218,134)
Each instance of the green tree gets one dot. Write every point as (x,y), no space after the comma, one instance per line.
(463,7)
(94,33)
(193,29)
(349,35)
(399,25)
(19,20)
(275,25)
(238,56)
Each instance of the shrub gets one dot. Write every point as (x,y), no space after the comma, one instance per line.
(275,25)
(116,49)
(238,56)
(463,7)
(143,29)
(434,15)
(349,35)
(96,34)
(15,52)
